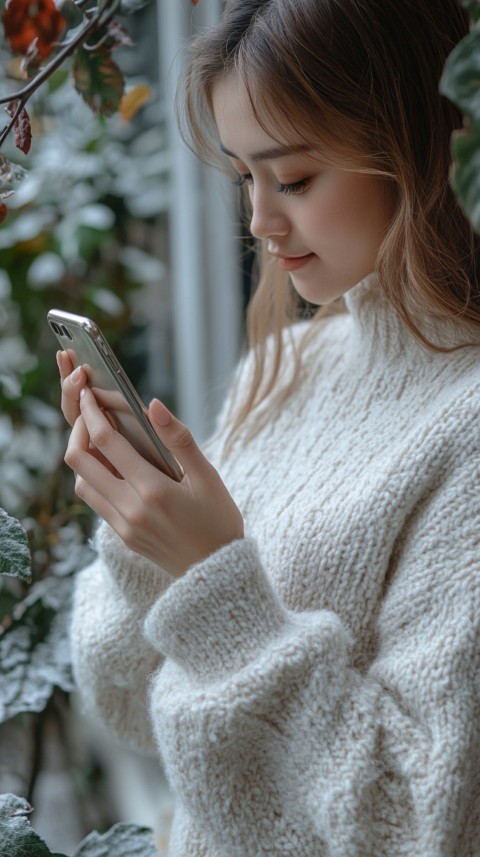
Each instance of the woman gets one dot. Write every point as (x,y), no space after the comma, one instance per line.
(294,625)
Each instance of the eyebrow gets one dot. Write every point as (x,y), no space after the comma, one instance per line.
(269,154)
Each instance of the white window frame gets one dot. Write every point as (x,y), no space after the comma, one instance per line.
(204,271)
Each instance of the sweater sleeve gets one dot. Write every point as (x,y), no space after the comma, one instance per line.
(112,660)
(294,751)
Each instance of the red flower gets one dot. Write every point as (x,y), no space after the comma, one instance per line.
(27,20)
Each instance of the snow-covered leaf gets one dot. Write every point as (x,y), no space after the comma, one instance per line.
(122,840)
(14,548)
(35,651)
(17,837)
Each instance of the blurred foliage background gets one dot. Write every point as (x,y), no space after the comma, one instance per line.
(86,231)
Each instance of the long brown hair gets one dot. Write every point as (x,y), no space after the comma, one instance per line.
(361,75)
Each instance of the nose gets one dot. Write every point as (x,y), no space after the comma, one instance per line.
(268,219)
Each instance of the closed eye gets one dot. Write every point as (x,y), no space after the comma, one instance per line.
(287,189)
(294,187)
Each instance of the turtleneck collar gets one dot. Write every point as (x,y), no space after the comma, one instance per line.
(383,331)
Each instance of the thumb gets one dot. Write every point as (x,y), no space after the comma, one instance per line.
(175,435)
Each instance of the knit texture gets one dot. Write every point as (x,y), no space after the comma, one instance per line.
(313,689)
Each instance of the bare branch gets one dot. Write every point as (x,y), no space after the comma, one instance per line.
(96,22)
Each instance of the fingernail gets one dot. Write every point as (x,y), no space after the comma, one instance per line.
(160,413)
(76,375)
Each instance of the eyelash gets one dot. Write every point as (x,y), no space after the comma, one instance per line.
(295,188)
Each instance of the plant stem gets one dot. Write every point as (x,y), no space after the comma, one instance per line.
(38,728)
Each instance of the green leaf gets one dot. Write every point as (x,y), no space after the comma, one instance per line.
(466,172)
(17,837)
(461,84)
(122,840)
(12,806)
(460,81)
(14,548)
(34,650)
(99,80)
(473,8)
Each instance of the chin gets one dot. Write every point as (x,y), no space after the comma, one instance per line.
(316,295)
(321,290)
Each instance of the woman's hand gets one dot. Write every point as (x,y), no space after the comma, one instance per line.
(72,383)
(174,524)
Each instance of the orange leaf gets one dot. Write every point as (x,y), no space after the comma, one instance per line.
(27,20)
(133,100)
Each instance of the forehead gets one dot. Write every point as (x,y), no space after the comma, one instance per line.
(239,129)
(251,133)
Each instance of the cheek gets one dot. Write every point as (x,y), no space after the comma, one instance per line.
(354,205)
(370,207)
(335,211)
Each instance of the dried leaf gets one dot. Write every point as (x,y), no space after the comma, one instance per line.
(118,36)
(99,81)
(133,100)
(10,175)
(32,60)
(22,128)
(112,35)
(24,21)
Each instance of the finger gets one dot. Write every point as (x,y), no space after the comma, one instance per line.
(95,481)
(72,384)
(100,505)
(78,445)
(120,454)
(65,365)
(177,438)
(80,436)
(111,498)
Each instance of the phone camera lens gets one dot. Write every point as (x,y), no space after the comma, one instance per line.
(66,331)
(56,328)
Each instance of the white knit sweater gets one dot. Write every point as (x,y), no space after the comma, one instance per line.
(314,689)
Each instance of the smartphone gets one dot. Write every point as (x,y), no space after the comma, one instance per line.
(86,346)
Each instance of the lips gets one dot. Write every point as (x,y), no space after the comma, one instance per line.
(293,263)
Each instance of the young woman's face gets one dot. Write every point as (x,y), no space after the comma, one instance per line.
(323,224)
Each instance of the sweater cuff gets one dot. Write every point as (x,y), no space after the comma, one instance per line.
(140,580)
(219,615)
